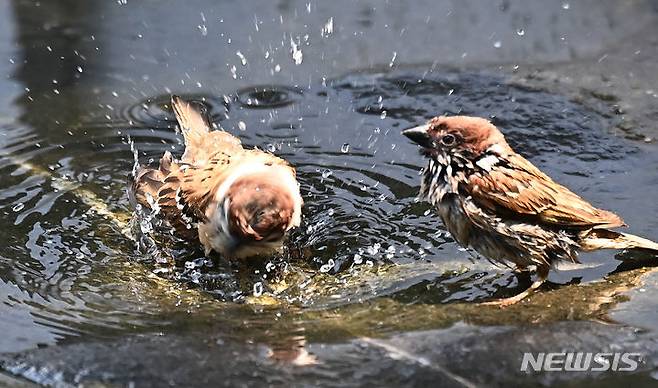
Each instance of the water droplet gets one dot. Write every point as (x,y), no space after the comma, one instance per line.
(390,252)
(242,125)
(18,207)
(565,5)
(520,32)
(327,267)
(277,68)
(243,60)
(326,173)
(357,259)
(373,249)
(195,276)
(382,115)
(497,44)
(395,55)
(79,68)
(345,148)
(328,28)
(234,73)
(258,289)
(297,55)
(271,147)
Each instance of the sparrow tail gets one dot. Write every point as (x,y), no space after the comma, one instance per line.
(193,121)
(608,239)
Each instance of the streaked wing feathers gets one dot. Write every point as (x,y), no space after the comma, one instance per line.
(197,185)
(522,189)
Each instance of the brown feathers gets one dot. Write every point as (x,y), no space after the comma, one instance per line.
(230,197)
(494,200)
(249,196)
(201,143)
(518,188)
(504,182)
(474,132)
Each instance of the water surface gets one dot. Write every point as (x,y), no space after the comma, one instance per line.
(369,259)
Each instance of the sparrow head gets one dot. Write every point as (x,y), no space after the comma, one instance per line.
(257,205)
(466,136)
(259,209)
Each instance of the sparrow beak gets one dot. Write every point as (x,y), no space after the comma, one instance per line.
(419,136)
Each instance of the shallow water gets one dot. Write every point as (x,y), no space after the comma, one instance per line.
(70,272)
(359,177)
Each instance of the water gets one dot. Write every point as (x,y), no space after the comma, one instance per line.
(359,202)
(367,252)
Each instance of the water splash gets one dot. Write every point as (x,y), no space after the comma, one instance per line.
(297,55)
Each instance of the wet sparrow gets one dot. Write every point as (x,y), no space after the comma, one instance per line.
(236,201)
(492,199)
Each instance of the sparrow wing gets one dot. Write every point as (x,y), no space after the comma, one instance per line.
(155,189)
(521,189)
(181,192)
(199,184)
(147,181)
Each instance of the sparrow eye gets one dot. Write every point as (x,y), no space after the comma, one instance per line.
(448,140)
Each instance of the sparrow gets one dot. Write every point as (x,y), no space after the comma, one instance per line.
(235,201)
(496,202)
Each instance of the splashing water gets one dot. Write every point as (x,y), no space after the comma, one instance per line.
(297,55)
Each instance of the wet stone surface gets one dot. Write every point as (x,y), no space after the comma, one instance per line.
(371,290)
(456,357)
